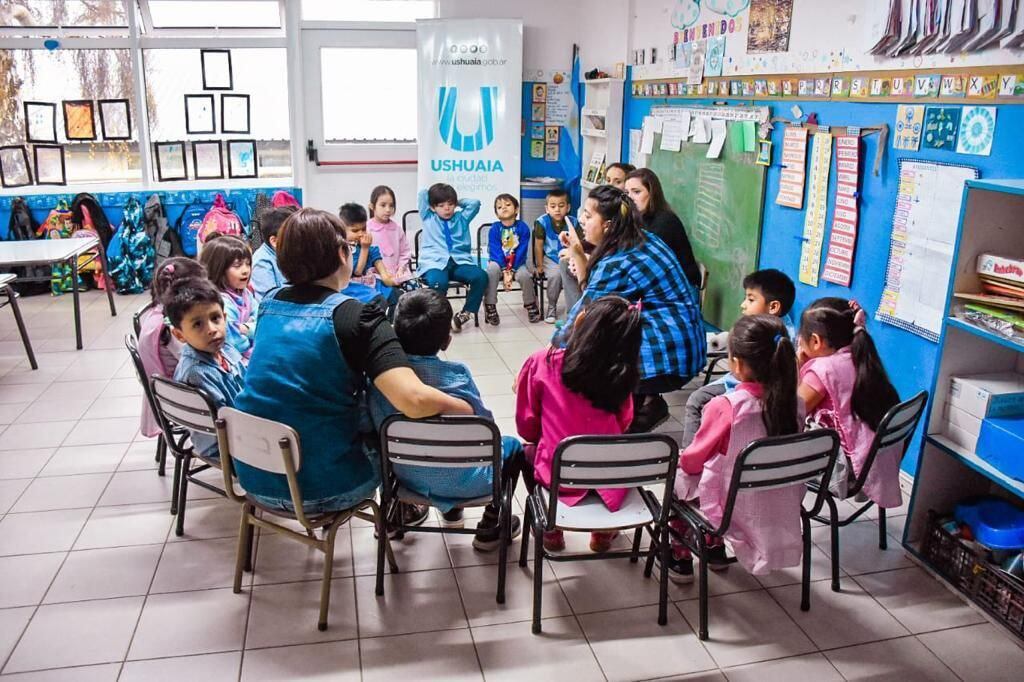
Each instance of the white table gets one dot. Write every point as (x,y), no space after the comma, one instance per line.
(54,252)
(6,279)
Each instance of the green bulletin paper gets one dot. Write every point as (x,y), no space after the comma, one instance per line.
(749,136)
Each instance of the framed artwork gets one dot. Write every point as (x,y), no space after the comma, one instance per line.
(41,122)
(79,119)
(14,168)
(115,119)
(170,161)
(234,114)
(540,92)
(242,160)
(199,118)
(49,163)
(217,73)
(207,160)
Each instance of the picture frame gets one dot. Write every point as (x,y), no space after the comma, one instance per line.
(79,120)
(115,119)
(204,167)
(170,161)
(48,160)
(200,118)
(243,161)
(40,122)
(15,170)
(235,114)
(217,73)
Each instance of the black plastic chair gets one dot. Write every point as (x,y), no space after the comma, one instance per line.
(766,463)
(455,442)
(458,286)
(629,461)
(137,318)
(132,344)
(482,258)
(895,430)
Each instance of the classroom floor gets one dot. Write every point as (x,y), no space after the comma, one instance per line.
(94,585)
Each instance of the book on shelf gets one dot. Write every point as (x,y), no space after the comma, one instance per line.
(595,169)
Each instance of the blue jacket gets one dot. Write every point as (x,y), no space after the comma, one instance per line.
(266,275)
(552,245)
(519,245)
(434,252)
(203,371)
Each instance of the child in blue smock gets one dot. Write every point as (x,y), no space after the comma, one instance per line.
(368,267)
(508,244)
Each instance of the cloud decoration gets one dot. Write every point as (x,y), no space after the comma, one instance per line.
(685,13)
(727,7)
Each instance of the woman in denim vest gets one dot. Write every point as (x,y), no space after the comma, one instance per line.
(314,352)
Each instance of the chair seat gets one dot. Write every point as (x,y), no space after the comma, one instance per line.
(591,514)
(408,495)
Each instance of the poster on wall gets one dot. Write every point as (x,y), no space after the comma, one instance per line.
(909,124)
(234,114)
(14,168)
(40,122)
(217,74)
(170,161)
(940,127)
(242,159)
(207,160)
(79,119)
(817,207)
(924,224)
(769,28)
(561,105)
(49,162)
(470,106)
(714,58)
(842,242)
(794,164)
(115,119)
(977,130)
(199,118)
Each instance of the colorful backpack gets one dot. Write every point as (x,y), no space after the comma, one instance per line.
(85,208)
(22,226)
(131,255)
(220,219)
(187,227)
(58,226)
(283,198)
(256,224)
(165,241)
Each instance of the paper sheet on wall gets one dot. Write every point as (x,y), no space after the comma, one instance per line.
(817,207)
(647,136)
(696,71)
(701,131)
(634,148)
(672,135)
(718,135)
(561,104)
(794,160)
(842,242)
(924,229)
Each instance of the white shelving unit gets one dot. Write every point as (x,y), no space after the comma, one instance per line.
(600,127)
(947,472)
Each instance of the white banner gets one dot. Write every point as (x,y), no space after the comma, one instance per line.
(470,106)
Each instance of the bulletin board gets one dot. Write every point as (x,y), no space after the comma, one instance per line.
(720,203)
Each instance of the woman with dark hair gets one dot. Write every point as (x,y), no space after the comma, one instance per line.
(317,350)
(626,261)
(657,216)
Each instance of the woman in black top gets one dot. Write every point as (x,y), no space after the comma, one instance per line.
(644,189)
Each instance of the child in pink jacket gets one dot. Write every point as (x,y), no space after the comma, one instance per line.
(388,235)
(584,389)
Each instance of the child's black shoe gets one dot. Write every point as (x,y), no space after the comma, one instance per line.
(680,571)
(491,314)
(459,320)
(533,312)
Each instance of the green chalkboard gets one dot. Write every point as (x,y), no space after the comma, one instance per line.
(720,203)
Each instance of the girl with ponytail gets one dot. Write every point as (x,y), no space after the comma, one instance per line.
(844,386)
(584,388)
(765,527)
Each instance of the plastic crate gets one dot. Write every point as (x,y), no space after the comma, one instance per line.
(998,594)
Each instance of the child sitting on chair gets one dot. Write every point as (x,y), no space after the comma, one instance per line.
(368,265)
(266,275)
(446,253)
(550,240)
(508,243)
(766,292)
(208,362)
(423,326)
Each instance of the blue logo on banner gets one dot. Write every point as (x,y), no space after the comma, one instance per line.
(449,126)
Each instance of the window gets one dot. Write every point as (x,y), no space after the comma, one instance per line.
(212,14)
(69,74)
(368,10)
(369,94)
(63,13)
(260,73)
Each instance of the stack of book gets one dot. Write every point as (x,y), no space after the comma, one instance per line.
(1000,303)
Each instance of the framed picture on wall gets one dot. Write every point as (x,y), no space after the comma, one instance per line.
(217,73)
(207,160)
(14,168)
(199,117)
(40,122)
(234,114)
(49,162)
(242,159)
(79,119)
(115,119)
(170,161)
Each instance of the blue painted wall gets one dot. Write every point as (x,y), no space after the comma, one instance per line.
(910,359)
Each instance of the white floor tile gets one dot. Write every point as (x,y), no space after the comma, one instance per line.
(94,673)
(183,623)
(977,652)
(10,491)
(512,652)
(894,660)
(280,559)
(135,524)
(288,614)
(421,601)
(197,565)
(28,436)
(810,667)
(858,549)
(12,624)
(38,532)
(84,459)
(478,585)
(105,573)
(415,552)
(333,660)
(206,667)
(24,579)
(448,655)
(62,492)
(918,601)
(24,463)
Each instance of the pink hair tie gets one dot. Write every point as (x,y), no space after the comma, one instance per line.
(169,268)
(860,318)
(638,306)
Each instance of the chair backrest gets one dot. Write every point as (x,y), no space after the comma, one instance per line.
(137,318)
(781,462)
(408,218)
(132,344)
(620,461)
(178,404)
(703,269)
(448,441)
(895,430)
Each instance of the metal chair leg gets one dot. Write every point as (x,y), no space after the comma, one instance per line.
(175,483)
(538,576)
(186,464)
(504,519)
(703,627)
(883,539)
(249,546)
(325,585)
(805,578)
(637,536)
(833,528)
(12,297)
(161,455)
(382,539)
(663,549)
(655,540)
(242,551)
(524,541)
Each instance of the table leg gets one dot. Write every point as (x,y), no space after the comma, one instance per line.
(74,293)
(106,278)
(13,296)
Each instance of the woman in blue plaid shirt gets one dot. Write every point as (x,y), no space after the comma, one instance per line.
(626,261)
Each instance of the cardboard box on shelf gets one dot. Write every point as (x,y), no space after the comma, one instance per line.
(988,395)
(961,427)
(1003,267)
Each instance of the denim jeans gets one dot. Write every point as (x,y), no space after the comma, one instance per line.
(471,275)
